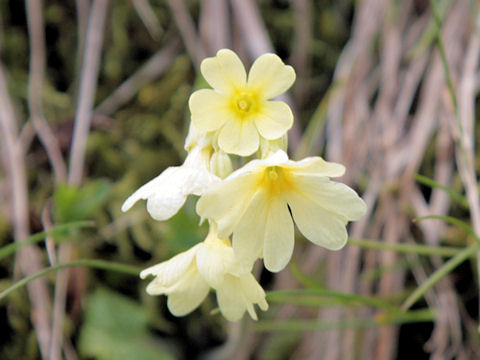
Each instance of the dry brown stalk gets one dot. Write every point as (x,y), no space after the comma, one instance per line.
(187,29)
(214,25)
(28,256)
(151,70)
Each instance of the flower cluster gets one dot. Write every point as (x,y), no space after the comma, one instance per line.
(251,210)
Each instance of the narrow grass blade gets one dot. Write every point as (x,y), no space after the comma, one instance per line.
(460,199)
(92,263)
(439,274)
(35,238)
(337,295)
(302,278)
(445,251)
(417,316)
(452,221)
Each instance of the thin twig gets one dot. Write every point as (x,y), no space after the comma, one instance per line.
(88,81)
(150,71)
(35,84)
(187,30)
(146,13)
(215,25)
(29,256)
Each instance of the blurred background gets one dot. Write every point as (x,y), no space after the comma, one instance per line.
(94,103)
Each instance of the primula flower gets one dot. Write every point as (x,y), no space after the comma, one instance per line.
(257,202)
(187,278)
(239,108)
(167,193)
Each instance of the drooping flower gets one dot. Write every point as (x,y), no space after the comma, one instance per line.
(238,108)
(187,278)
(167,193)
(257,202)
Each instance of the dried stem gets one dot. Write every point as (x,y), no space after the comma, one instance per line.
(187,29)
(150,71)
(29,256)
(37,70)
(88,81)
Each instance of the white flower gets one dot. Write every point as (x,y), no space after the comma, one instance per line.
(167,193)
(187,278)
(257,202)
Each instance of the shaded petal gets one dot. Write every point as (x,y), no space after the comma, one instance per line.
(315,165)
(226,202)
(249,234)
(320,226)
(279,236)
(270,75)
(188,293)
(224,72)
(213,262)
(167,193)
(332,196)
(253,292)
(239,294)
(274,121)
(239,137)
(170,271)
(209,109)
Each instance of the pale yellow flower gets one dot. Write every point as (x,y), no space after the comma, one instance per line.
(167,193)
(257,202)
(239,109)
(187,278)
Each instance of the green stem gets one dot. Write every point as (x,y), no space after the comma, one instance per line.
(406,248)
(433,184)
(35,238)
(424,315)
(439,274)
(97,264)
(370,301)
(438,34)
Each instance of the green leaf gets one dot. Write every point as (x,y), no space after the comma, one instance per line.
(73,203)
(183,230)
(116,327)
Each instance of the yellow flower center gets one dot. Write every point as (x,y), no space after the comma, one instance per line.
(276,180)
(244,103)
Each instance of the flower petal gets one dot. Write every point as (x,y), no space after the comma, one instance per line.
(320,226)
(209,109)
(167,193)
(226,202)
(270,75)
(213,261)
(275,119)
(315,165)
(239,294)
(170,271)
(332,196)
(249,234)
(279,236)
(239,136)
(224,72)
(188,293)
